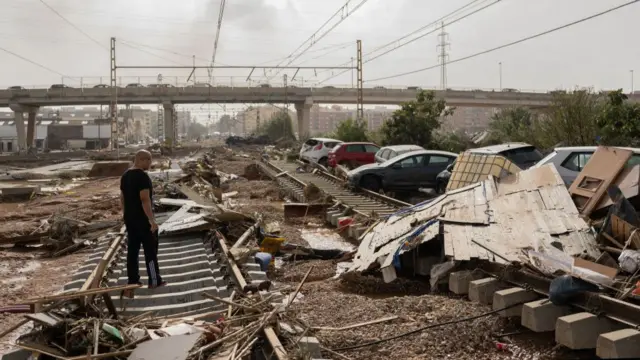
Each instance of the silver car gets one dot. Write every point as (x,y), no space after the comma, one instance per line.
(389,152)
(571,160)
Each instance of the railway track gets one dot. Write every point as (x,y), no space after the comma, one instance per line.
(191,263)
(362,202)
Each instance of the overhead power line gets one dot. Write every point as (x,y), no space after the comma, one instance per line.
(32,62)
(343,12)
(431,24)
(511,43)
(74,26)
(125,43)
(434,23)
(215,44)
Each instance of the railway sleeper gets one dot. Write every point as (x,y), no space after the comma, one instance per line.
(574,328)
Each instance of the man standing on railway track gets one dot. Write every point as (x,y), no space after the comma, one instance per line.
(136,195)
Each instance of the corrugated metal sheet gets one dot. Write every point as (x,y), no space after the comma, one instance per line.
(490,220)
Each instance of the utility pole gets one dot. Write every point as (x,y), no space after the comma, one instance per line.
(360,105)
(500,72)
(113,106)
(257,118)
(443,56)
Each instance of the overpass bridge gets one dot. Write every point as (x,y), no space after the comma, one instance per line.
(29,100)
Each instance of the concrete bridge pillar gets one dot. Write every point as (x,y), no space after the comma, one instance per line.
(303,112)
(25,136)
(168,123)
(31,128)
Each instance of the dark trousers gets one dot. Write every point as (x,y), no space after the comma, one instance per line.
(142,236)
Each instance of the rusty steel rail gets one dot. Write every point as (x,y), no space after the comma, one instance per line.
(618,310)
(365,203)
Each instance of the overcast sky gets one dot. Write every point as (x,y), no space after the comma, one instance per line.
(598,53)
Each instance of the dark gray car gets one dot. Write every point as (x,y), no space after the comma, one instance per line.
(408,172)
(389,152)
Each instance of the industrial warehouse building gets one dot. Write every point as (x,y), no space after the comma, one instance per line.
(59,135)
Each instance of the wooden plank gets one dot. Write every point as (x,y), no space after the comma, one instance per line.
(601,171)
(93,280)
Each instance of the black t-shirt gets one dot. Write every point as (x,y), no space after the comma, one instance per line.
(131,183)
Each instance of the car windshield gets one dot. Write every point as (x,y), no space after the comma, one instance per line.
(523,157)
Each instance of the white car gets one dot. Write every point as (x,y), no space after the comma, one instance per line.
(316,150)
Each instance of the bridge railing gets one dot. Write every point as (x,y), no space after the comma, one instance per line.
(240,81)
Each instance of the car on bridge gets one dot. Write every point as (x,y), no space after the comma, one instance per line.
(389,152)
(521,154)
(101,86)
(316,150)
(569,161)
(264,85)
(17,87)
(59,87)
(134,85)
(352,154)
(160,86)
(199,85)
(405,173)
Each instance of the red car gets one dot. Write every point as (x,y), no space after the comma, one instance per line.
(353,154)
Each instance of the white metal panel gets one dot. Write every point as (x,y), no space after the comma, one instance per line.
(8,131)
(96,131)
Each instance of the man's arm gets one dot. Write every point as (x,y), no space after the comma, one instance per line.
(145,197)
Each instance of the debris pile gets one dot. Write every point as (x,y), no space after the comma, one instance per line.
(527,220)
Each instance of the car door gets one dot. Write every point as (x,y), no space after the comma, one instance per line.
(353,154)
(573,165)
(404,174)
(433,165)
(369,154)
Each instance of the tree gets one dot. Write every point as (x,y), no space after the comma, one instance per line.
(415,121)
(619,122)
(512,125)
(196,130)
(571,119)
(451,141)
(351,130)
(279,126)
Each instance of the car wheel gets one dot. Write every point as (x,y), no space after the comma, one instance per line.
(370,182)
(323,162)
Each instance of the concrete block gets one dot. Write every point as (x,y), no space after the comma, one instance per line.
(335,218)
(620,344)
(512,296)
(581,331)
(482,290)
(310,346)
(541,315)
(330,214)
(459,282)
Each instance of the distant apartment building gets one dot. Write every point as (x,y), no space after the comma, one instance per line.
(247,122)
(325,119)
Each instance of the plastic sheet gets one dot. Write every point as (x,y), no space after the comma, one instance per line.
(629,261)
(564,288)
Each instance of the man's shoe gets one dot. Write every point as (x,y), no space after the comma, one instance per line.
(162,283)
(129,292)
